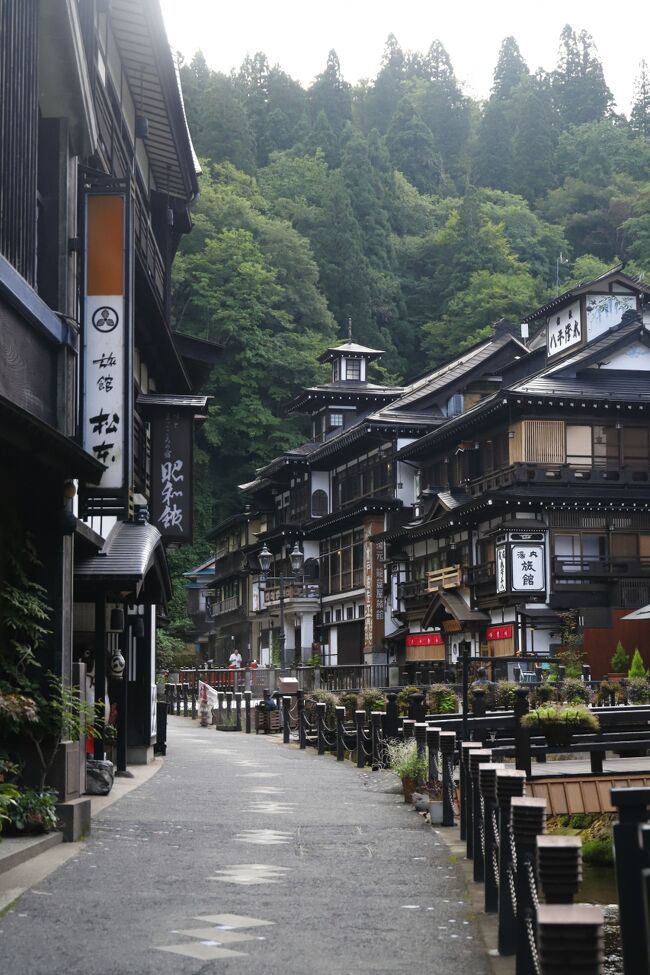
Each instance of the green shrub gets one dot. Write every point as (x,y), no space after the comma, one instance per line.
(350,701)
(620,661)
(441,699)
(543,693)
(33,812)
(637,667)
(638,691)
(371,699)
(609,687)
(404,760)
(574,690)
(330,699)
(403,697)
(574,715)
(599,852)
(504,694)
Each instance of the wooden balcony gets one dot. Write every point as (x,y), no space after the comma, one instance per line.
(448,578)
(569,567)
(228,605)
(412,590)
(296,592)
(593,474)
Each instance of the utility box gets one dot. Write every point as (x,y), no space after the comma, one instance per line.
(288,685)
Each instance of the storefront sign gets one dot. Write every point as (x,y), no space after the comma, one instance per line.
(499,632)
(171,473)
(107,338)
(424,640)
(527,568)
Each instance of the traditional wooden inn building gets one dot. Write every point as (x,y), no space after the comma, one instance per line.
(475,505)
(97,174)
(534,501)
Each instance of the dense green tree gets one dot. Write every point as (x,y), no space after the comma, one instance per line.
(217,117)
(534,140)
(579,83)
(640,115)
(331,94)
(443,107)
(493,158)
(412,148)
(510,70)
(384,95)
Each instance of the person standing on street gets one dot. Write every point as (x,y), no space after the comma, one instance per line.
(235,660)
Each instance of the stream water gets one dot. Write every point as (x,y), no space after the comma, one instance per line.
(599,887)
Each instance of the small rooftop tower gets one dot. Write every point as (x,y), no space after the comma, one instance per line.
(350,361)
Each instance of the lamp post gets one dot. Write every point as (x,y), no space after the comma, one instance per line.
(465,648)
(296,558)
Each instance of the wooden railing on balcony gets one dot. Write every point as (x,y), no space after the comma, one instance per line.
(292,590)
(412,589)
(448,578)
(227,605)
(564,565)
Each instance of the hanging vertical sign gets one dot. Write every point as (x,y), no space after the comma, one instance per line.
(107,338)
(171,470)
(502,584)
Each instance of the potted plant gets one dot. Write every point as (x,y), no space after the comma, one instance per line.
(558,723)
(441,699)
(411,768)
(637,667)
(32,811)
(434,792)
(619,662)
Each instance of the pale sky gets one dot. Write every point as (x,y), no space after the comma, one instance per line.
(297,34)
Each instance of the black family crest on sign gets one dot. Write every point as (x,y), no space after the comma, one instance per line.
(105,319)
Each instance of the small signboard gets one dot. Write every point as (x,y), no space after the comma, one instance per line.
(171,473)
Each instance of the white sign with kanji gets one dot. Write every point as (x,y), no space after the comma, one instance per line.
(104,428)
(564,330)
(502,583)
(527,568)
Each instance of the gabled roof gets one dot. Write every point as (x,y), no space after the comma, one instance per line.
(153,80)
(434,383)
(614,338)
(613,274)
(342,392)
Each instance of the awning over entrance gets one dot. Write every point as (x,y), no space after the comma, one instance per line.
(639,614)
(132,563)
(449,604)
(542,619)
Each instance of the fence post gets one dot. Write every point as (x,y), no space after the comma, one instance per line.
(447,745)
(179,697)
(360,717)
(320,731)
(228,705)
(510,783)
(630,860)
(193,692)
(420,734)
(186,700)
(238,695)
(391,724)
(302,731)
(247,710)
(286,719)
(408,728)
(433,747)
(340,732)
(487,783)
(570,939)
(477,757)
(522,737)
(466,791)
(169,696)
(559,867)
(416,709)
(221,696)
(528,816)
(375,729)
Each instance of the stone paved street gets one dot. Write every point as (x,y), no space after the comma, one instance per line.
(243,855)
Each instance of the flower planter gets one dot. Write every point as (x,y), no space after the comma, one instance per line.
(435,812)
(409,786)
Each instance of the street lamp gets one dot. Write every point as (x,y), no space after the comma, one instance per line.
(296,558)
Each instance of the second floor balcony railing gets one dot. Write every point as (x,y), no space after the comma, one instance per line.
(227,605)
(576,565)
(291,589)
(447,578)
(411,589)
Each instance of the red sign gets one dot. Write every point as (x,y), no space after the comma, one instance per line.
(499,632)
(424,640)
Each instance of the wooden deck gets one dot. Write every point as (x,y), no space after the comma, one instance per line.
(570,787)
